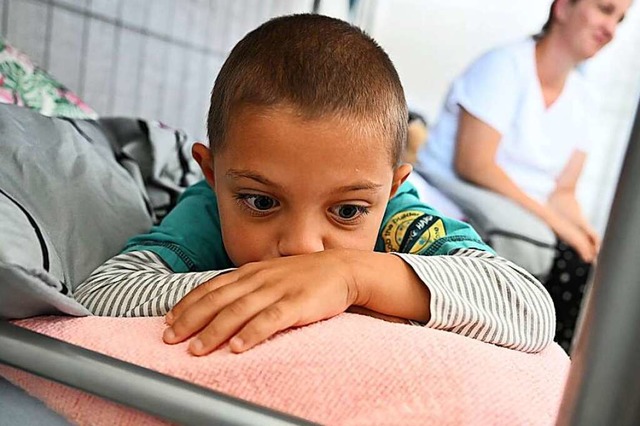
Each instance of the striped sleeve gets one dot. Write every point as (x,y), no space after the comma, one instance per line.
(137,284)
(486,297)
(473,293)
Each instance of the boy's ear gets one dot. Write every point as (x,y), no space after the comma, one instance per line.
(202,155)
(400,174)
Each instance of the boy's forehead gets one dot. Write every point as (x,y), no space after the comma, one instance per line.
(277,119)
(282,143)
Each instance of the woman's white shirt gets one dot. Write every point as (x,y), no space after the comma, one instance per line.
(502,89)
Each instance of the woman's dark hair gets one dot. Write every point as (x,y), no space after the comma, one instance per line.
(547,25)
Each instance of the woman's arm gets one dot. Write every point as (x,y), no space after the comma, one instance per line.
(563,198)
(476,147)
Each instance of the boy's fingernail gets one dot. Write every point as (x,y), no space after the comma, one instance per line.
(168,318)
(236,344)
(169,335)
(196,346)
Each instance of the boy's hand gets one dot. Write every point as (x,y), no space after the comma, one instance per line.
(252,303)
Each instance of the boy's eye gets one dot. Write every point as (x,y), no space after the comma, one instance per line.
(349,212)
(260,203)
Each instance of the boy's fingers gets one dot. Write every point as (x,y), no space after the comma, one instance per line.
(195,316)
(271,320)
(230,320)
(196,294)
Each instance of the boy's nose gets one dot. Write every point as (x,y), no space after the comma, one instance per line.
(300,236)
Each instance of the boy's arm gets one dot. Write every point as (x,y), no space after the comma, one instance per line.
(136,284)
(486,297)
(467,291)
(470,292)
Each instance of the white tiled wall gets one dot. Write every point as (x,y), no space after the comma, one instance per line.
(155,59)
(26,23)
(158,59)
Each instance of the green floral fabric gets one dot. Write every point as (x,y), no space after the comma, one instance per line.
(22,83)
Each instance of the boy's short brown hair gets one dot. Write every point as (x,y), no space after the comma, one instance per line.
(321,65)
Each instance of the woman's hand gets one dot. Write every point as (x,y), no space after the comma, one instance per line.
(565,205)
(252,303)
(585,244)
(593,236)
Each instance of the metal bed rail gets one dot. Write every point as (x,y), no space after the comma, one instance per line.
(603,387)
(141,388)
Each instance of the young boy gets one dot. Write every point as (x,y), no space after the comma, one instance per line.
(304,195)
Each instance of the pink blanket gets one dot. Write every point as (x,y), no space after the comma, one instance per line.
(351,370)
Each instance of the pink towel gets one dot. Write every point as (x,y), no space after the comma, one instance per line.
(351,370)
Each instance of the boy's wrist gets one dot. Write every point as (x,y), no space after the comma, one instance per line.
(360,285)
(372,273)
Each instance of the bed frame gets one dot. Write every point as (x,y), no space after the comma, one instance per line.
(150,391)
(603,385)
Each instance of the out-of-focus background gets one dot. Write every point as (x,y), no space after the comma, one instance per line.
(157,59)
(432,41)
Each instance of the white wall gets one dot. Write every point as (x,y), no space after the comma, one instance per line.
(432,41)
(157,58)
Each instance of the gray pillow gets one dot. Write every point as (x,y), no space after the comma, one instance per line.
(66,205)
(512,231)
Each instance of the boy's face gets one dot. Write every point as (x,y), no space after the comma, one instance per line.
(288,186)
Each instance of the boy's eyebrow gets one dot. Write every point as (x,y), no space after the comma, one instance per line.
(238,174)
(364,185)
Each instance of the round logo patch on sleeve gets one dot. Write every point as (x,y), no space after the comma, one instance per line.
(412,232)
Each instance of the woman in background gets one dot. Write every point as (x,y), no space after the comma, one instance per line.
(511,143)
